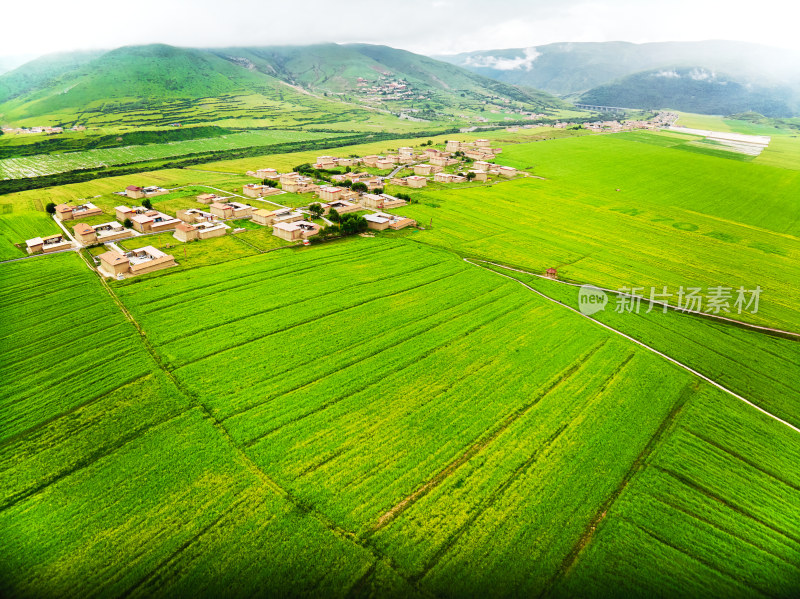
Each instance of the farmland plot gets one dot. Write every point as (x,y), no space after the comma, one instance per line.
(64,342)
(416,401)
(761,367)
(592,239)
(88,507)
(714,511)
(48,164)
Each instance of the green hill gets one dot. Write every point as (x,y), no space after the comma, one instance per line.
(693,90)
(157,84)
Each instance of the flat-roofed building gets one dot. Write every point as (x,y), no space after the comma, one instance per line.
(482,165)
(231,210)
(150,221)
(507,171)
(267,173)
(295,231)
(341,206)
(202,230)
(479,175)
(442,161)
(416,181)
(136,262)
(91,234)
(282,215)
(329,193)
(382,220)
(208,198)
(51,243)
(195,215)
(427,169)
(71,212)
(383,201)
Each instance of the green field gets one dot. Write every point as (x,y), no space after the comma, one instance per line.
(47,164)
(376,416)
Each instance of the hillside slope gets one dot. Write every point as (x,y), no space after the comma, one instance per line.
(693,90)
(160,84)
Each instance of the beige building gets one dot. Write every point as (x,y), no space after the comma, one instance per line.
(202,230)
(135,192)
(146,221)
(136,262)
(384,164)
(448,178)
(267,173)
(295,231)
(371,160)
(69,212)
(271,217)
(341,206)
(91,234)
(231,210)
(208,198)
(482,165)
(507,171)
(382,220)
(256,190)
(383,201)
(481,176)
(427,169)
(52,243)
(442,161)
(326,162)
(195,215)
(329,193)
(416,181)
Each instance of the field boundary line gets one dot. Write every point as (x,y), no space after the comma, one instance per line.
(660,303)
(483,441)
(647,347)
(639,463)
(246,461)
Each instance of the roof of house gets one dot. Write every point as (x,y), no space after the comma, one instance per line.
(34,241)
(221,206)
(133,188)
(113,258)
(185,227)
(83,229)
(264,212)
(64,208)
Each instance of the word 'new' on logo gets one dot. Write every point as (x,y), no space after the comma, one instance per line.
(591,300)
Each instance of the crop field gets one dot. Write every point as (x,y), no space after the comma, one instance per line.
(677,222)
(366,409)
(375,416)
(48,164)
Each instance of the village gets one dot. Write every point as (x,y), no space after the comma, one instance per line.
(339,189)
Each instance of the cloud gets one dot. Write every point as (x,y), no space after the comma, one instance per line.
(506,64)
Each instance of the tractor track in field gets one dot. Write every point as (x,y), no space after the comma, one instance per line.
(636,341)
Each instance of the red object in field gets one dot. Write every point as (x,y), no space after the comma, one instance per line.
(552,273)
(306,242)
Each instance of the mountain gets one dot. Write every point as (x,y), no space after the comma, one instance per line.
(571,68)
(42,72)
(694,89)
(9,63)
(157,84)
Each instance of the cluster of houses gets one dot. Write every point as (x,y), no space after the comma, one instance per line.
(135,262)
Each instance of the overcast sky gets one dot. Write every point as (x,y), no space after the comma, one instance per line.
(428,27)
